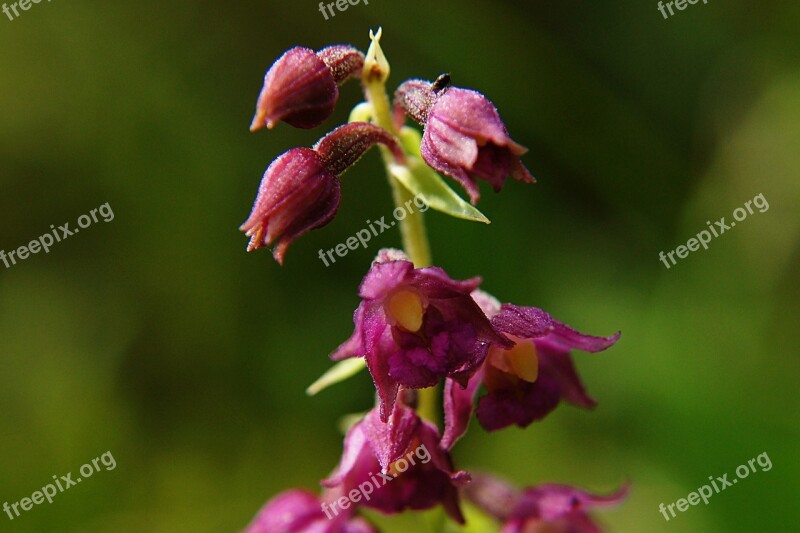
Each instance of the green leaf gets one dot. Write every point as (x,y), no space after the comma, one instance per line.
(422,180)
(338,372)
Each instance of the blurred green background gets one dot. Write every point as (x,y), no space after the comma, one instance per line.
(155,336)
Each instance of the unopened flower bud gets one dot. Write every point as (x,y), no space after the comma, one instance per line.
(300,190)
(301,87)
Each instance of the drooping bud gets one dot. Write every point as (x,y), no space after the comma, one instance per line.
(464,136)
(301,87)
(300,190)
(297,194)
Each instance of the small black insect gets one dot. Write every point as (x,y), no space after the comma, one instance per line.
(441,82)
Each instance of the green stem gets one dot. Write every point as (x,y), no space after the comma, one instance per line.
(412,227)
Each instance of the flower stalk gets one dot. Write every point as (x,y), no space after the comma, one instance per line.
(374,75)
(412,227)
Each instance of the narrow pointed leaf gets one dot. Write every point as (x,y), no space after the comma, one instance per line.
(422,180)
(337,373)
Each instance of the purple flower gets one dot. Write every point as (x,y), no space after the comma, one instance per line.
(301,87)
(464,136)
(299,511)
(525,382)
(415,327)
(544,508)
(300,190)
(396,465)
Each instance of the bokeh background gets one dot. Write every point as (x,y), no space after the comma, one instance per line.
(156,337)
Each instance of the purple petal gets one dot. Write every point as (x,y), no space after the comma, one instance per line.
(550,502)
(572,523)
(471,113)
(436,283)
(520,173)
(559,366)
(493,164)
(521,405)
(290,511)
(454,146)
(458,408)
(567,338)
(354,442)
(523,322)
(382,278)
(390,441)
(437,161)
(493,495)
(488,303)
(378,358)
(354,346)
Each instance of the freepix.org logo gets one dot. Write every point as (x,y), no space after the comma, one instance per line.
(376,481)
(59,485)
(46,240)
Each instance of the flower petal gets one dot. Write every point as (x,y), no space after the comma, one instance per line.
(458,408)
(521,406)
(289,511)
(559,365)
(523,322)
(552,501)
(391,440)
(568,338)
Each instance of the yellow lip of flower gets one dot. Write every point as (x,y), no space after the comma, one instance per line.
(521,361)
(407,309)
